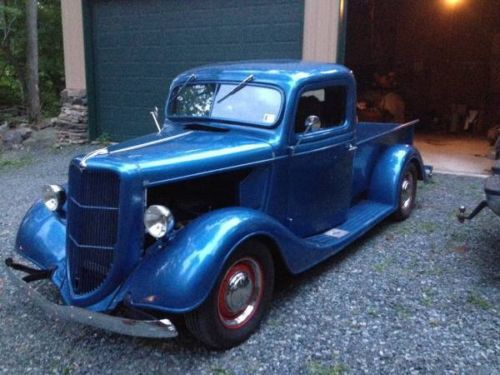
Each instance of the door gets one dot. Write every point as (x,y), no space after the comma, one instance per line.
(320,163)
(136,48)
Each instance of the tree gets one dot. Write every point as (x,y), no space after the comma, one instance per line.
(10,15)
(33,93)
(14,54)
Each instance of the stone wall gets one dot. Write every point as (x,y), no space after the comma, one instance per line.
(72,122)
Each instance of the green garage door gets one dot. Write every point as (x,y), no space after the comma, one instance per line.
(136,47)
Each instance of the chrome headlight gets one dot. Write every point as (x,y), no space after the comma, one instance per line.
(54,197)
(158,221)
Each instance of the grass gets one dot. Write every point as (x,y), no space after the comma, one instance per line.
(6,164)
(426,227)
(220,371)
(316,368)
(428,295)
(402,229)
(478,301)
(459,236)
(372,312)
(104,139)
(274,322)
(382,266)
(401,310)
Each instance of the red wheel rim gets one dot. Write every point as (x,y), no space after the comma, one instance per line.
(240,293)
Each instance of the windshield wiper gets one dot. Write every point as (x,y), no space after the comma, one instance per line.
(237,88)
(191,78)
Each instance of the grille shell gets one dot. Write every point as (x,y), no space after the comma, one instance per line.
(92,224)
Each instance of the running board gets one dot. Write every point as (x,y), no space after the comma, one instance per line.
(361,217)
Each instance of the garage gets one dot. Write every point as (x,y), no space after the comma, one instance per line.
(135,48)
(441,58)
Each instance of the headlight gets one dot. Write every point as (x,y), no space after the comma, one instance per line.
(54,197)
(158,221)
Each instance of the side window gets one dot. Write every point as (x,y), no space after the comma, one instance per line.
(327,103)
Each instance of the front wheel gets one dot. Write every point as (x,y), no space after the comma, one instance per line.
(407,193)
(239,300)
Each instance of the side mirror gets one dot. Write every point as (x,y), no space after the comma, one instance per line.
(312,123)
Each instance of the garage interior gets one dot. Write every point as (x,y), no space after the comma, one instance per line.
(442,58)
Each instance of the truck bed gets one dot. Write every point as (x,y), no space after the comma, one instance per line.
(385,132)
(372,140)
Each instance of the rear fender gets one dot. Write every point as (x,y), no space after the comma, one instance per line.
(384,184)
(177,276)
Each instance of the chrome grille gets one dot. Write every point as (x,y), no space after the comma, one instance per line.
(93,198)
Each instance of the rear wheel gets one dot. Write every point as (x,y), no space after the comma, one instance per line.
(407,192)
(239,300)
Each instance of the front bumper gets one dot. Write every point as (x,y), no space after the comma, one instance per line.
(161,328)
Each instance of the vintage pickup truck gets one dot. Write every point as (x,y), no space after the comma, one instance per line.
(258,166)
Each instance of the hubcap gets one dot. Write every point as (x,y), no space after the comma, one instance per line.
(240,293)
(407,191)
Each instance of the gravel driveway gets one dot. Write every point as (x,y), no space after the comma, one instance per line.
(422,296)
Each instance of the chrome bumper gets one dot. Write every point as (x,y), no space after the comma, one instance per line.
(141,328)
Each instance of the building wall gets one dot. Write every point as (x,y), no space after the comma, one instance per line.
(321,30)
(321,23)
(74,59)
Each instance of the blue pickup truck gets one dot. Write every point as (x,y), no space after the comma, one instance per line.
(258,167)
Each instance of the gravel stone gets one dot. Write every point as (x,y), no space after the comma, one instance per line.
(420,296)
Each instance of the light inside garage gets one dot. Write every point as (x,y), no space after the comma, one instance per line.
(453,3)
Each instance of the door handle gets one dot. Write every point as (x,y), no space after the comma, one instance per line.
(351,147)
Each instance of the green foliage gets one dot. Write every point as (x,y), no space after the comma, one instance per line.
(220,371)
(104,139)
(51,55)
(13,53)
(6,164)
(316,368)
(478,301)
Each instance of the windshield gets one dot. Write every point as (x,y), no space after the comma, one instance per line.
(259,105)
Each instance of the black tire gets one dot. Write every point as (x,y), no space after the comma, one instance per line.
(407,193)
(212,323)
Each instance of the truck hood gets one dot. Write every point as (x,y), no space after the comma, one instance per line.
(180,154)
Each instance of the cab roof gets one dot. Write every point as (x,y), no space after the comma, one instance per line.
(290,72)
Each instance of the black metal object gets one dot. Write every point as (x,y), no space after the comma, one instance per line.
(33,274)
(461,214)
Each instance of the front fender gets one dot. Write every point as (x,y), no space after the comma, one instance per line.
(41,237)
(179,275)
(384,184)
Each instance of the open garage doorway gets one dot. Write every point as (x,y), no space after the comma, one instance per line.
(436,60)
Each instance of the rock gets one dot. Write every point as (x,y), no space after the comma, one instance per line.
(44,138)
(4,127)
(12,139)
(25,132)
(72,122)
(46,123)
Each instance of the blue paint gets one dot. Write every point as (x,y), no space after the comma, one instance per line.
(297,188)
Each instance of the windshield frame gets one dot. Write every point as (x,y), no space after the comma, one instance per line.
(225,120)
